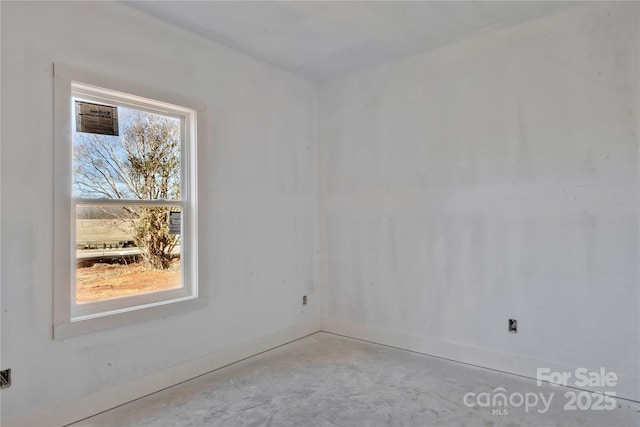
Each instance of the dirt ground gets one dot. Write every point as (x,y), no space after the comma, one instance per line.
(103,281)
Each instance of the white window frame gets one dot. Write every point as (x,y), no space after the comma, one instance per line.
(73,319)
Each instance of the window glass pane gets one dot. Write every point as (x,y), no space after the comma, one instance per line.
(126,250)
(142,163)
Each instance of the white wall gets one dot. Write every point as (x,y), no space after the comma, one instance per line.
(257,197)
(492,179)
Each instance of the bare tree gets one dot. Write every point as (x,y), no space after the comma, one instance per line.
(142,164)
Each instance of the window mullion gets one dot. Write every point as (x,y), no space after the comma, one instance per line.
(126,202)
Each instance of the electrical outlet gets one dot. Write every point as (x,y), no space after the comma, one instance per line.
(513,326)
(5,378)
(304,300)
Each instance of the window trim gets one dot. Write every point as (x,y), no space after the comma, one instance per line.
(67,319)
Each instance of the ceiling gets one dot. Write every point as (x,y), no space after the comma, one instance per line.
(320,40)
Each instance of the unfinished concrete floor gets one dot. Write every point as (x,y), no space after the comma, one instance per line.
(328,380)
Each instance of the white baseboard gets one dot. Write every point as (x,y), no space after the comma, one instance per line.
(73,410)
(626,388)
(63,413)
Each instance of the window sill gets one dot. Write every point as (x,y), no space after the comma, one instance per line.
(126,317)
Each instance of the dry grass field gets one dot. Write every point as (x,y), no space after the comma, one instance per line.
(102,231)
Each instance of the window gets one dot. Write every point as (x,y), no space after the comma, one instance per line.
(125,202)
